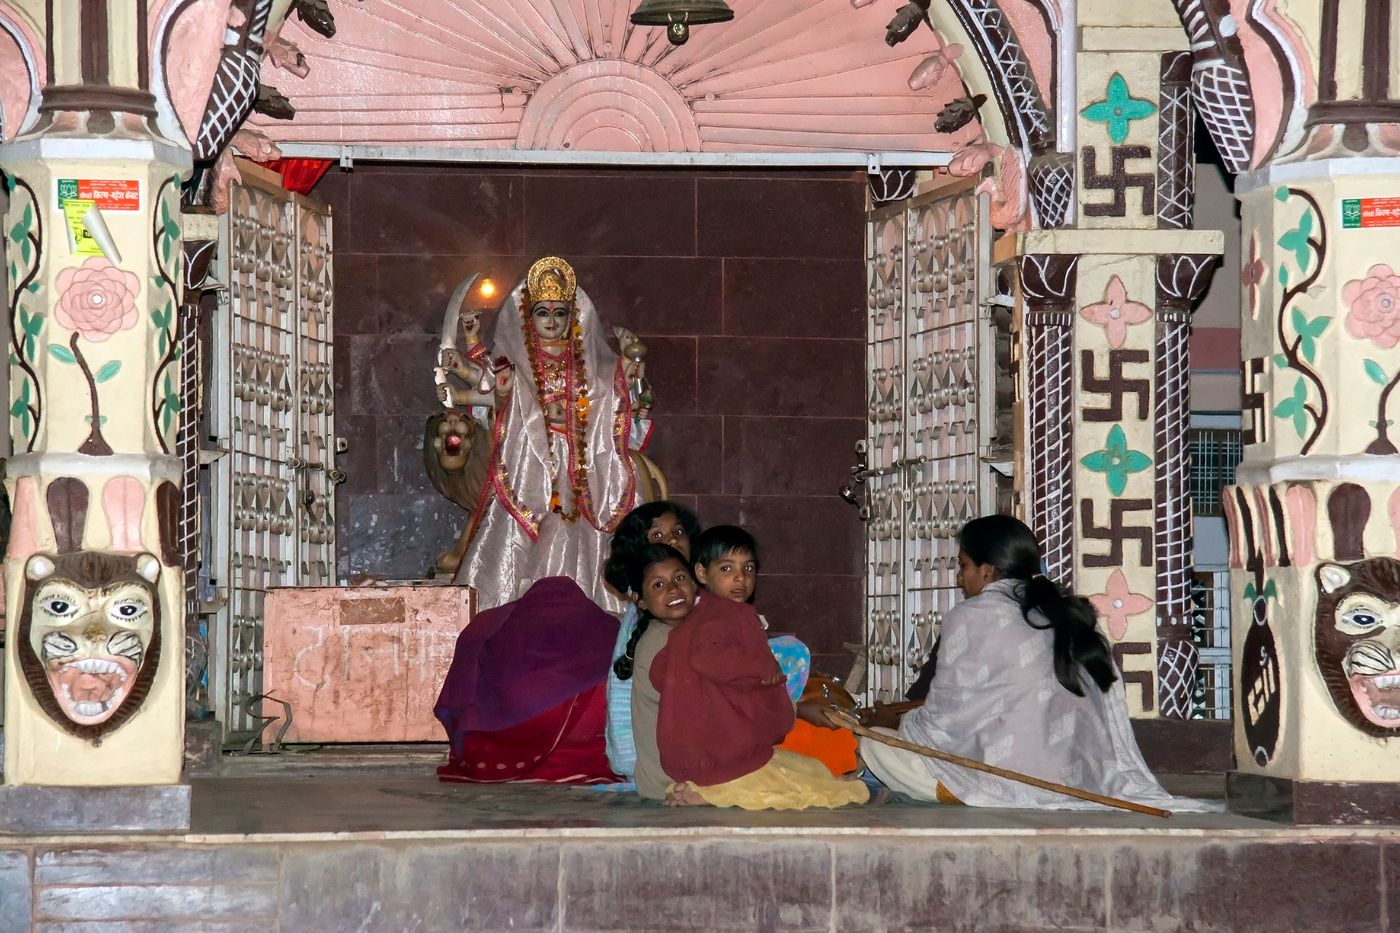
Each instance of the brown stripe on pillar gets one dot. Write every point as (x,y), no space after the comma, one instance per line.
(143,52)
(93,37)
(1327,52)
(1376,51)
(49,43)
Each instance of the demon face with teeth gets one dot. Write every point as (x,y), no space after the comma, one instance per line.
(89,637)
(1358,641)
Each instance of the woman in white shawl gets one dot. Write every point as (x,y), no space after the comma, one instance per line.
(1023,681)
(560,478)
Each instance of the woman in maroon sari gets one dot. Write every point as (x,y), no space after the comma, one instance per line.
(526,696)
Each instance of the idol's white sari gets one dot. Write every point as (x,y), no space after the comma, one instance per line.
(994,698)
(516,538)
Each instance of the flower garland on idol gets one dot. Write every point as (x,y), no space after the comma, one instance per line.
(552,279)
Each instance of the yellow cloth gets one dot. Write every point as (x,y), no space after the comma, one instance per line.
(788,782)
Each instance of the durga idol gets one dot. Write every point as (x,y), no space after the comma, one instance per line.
(560,476)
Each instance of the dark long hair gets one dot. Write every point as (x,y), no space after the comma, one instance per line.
(1010,547)
(631,537)
(634,572)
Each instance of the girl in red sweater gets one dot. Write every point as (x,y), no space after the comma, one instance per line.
(724,706)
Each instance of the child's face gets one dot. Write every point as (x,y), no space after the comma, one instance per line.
(731,577)
(668,591)
(667,529)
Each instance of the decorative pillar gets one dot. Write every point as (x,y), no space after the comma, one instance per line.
(1109,463)
(1047,285)
(1181,281)
(1315,517)
(94,687)
(1309,118)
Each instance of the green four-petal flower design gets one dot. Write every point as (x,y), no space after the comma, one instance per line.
(1118,109)
(1116,460)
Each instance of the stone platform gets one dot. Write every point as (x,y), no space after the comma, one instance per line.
(294,844)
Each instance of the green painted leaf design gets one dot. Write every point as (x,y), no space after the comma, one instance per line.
(1283,276)
(17,407)
(1096,461)
(108,370)
(1281,361)
(1281,194)
(1309,348)
(34,287)
(1249,592)
(61,353)
(1376,374)
(1318,325)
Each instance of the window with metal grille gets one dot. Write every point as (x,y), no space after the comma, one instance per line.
(1215,452)
(1210,629)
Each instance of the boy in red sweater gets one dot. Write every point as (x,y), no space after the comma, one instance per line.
(724,708)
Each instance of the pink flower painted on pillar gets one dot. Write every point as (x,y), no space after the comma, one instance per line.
(1116,312)
(1375,306)
(97,299)
(1117,603)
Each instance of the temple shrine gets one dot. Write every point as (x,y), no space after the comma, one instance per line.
(339,331)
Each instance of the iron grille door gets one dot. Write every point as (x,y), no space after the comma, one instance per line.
(928,262)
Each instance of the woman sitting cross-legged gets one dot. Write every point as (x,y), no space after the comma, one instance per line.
(1023,681)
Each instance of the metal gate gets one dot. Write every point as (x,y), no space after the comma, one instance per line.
(272,410)
(928,420)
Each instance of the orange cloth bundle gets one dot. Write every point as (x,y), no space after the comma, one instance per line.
(835,748)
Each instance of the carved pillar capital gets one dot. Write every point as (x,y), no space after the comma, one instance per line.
(1182,279)
(1048,282)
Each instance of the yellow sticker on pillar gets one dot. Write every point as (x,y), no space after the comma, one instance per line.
(80,239)
(83,200)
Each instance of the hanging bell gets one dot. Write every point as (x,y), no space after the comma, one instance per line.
(679,15)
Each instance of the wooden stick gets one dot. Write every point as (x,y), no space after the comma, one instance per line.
(858,729)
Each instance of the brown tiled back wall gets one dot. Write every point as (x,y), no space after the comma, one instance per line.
(748,288)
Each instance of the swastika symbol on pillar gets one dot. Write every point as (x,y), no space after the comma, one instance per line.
(1115,385)
(1143,679)
(1118,180)
(1117,531)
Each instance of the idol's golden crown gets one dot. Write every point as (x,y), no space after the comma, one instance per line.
(550,279)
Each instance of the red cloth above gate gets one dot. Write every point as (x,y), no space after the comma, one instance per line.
(299,175)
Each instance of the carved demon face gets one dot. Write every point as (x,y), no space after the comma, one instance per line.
(89,637)
(1358,641)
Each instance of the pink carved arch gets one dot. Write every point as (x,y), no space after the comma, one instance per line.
(608,105)
(786,75)
(23,70)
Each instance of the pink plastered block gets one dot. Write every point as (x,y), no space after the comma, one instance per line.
(361,664)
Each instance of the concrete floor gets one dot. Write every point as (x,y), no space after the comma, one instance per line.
(352,839)
(394,790)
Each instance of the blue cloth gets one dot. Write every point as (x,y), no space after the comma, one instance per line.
(795,660)
(622,749)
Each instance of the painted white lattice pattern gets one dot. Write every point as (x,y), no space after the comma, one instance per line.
(984,18)
(926,425)
(1220,87)
(235,85)
(1047,284)
(274,522)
